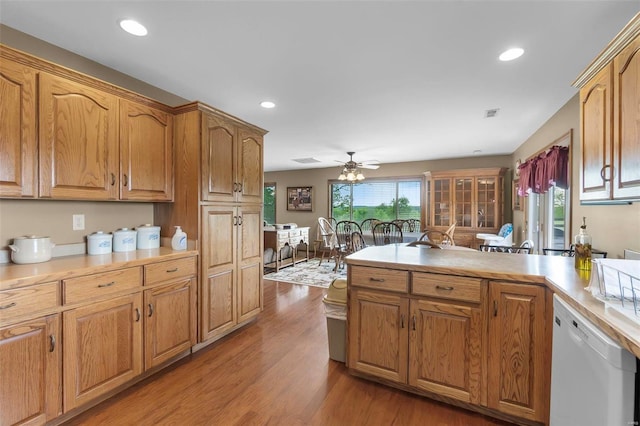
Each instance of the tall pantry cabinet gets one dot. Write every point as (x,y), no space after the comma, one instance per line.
(218,203)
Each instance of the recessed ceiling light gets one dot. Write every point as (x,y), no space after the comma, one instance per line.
(267,104)
(133,27)
(511,54)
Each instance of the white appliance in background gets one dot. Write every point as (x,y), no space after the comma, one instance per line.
(592,377)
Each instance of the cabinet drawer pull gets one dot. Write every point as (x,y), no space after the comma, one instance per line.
(10,305)
(239,220)
(402,321)
(495,308)
(439,287)
(377,280)
(150,309)
(106,284)
(52,343)
(602,173)
(240,187)
(172,270)
(126,180)
(113,179)
(413,323)
(137,315)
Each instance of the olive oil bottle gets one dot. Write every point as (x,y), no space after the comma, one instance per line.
(582,243)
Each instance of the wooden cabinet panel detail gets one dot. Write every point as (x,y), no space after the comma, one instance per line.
(18,138)
(219,160)
(30,366)
(103,348)
(250,163)
(78,141)
(146,153)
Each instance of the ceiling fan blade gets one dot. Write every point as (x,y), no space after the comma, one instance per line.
(369,166)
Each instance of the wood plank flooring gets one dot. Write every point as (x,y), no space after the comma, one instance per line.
(275,371)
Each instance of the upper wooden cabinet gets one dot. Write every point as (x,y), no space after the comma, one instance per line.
(18,149)
(232,161)
(610,119)
(471,198)
(78,141)
(65,135)
(146,153)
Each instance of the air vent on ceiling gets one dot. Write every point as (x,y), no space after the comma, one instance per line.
(306,160)
(490,113)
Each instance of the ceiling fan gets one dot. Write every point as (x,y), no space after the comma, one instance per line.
(350,170)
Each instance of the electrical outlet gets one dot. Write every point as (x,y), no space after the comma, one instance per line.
(78,222)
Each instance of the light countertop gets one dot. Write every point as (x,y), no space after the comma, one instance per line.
(555,272)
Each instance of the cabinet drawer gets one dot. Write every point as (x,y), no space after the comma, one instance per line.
(169,270)
(294,233)
(380,278)
(26,300)
(99,285)
(446,286)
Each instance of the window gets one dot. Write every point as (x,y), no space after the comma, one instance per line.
(385,200)
(269,212)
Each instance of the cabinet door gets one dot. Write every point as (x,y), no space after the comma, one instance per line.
(595,120)
(487,202)
(378,334)
(464,202)
(219,152)
(250,266)
(170,320)
(18,139)
(78,141)
(442,205)
(445,349)
(626,123)
(516,369)
(103,348)
(250,176)
(146,153)
(30,369)
(219,259)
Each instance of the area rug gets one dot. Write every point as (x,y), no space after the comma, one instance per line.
(308,273)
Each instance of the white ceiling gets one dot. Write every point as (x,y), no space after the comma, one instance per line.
(394,81)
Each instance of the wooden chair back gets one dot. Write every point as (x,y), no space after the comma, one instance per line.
(386,233)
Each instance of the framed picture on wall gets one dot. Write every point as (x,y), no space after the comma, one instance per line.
(516,200)
(300,198)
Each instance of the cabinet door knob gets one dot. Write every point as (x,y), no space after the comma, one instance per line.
(52,343)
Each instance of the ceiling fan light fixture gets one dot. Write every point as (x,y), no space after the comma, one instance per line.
(359,176)
(511,54)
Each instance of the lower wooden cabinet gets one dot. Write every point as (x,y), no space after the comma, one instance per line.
(445,347)
(30,370)
(102,348)
(518,371)
(378,334)
(484,343)
(170,320)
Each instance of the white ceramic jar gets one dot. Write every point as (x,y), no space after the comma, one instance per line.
(124,239)
(148,236)
(99,243)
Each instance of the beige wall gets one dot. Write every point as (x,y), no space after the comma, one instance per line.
(53,218)
(612,227)
(319,180)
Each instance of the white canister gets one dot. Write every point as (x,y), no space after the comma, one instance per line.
(148,236)
(124,239)
(99,243)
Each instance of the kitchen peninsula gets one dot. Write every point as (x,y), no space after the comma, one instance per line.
(468,328)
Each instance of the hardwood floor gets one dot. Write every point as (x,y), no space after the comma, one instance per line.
(275,371)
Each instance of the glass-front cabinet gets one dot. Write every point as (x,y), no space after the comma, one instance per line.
(473,199)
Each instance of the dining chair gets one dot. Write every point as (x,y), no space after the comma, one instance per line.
(357,242)
(386,233)
(570,252)
(437,237)
(367,224)
(451,230)
(344,230)
(329,241)
(505,249)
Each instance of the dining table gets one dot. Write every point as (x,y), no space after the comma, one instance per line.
(407,237)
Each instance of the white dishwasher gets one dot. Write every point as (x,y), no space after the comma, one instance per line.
(592,377)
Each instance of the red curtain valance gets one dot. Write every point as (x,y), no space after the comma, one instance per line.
(550,168)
